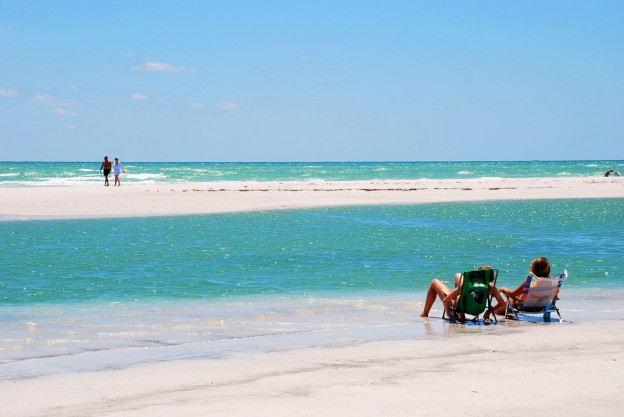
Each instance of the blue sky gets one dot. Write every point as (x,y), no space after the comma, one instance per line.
(311,80)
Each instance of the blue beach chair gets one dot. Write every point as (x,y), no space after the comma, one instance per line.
(539,296)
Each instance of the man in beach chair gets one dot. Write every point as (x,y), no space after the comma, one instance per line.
(478,283)
(473,296)
(539,296)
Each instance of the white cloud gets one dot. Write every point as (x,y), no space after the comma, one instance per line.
(44,99)
(196,105)
(9,93)
(65,113)
(47,100)
(155,66)
(227,106)
(139,96)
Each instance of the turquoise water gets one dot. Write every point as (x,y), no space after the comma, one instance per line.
(63,173)
(306,252)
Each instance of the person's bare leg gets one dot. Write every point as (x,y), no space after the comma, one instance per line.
(447,301)
(458,278)
(500,306)
(436,289)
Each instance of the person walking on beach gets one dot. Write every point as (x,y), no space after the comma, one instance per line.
(118,168)
(106,166)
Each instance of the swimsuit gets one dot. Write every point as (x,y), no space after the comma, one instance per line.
(107,168)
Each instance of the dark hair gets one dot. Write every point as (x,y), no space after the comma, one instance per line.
(540,267)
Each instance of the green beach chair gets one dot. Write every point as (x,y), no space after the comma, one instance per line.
(473,296)
(539,296)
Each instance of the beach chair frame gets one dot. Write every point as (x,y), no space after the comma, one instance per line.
(539,296)
(474,284)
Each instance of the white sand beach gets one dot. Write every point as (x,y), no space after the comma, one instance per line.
(218,197)
(515,370)
(512,369)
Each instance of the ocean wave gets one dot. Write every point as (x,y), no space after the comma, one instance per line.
(84,179)
(145,176)
(10,174)
(217,173)
(51,182)
(197,170)
(465,173)
(315,180)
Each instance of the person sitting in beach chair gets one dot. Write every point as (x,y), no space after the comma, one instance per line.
(476,294)
(538,293)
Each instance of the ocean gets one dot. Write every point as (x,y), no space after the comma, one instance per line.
(69,173)
(94,294)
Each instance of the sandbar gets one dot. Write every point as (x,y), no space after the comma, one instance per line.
(164,199)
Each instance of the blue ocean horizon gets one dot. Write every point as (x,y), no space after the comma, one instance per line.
(16,174)
(74,290)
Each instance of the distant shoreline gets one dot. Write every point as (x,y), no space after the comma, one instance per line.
(163,199)
(46,174)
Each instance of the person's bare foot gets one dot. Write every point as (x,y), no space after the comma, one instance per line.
(424,315)
(486,318)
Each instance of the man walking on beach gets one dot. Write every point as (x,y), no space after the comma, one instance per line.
(118,169)
(106,166)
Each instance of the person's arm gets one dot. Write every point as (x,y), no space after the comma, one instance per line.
(515,293)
